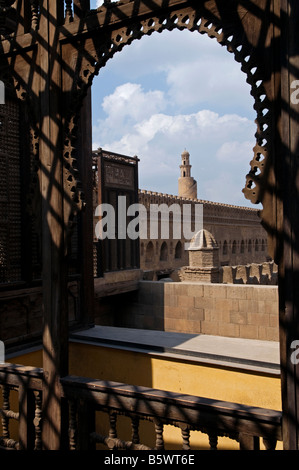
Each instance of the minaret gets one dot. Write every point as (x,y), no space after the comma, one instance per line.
(187,184)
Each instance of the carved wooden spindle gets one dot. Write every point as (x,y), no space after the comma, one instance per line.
(159,436)
(38,420)
(34,14)
(68,11)
(135,430)
(186,438)
(270,444)
(112,429)
(213,441)
(73,424)
(5,407)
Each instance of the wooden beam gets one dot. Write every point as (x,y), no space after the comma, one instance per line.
(86,216)
(55,328)
(288,289)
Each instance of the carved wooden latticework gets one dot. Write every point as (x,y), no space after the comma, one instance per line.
(10,194)
(87,46)
(220,25)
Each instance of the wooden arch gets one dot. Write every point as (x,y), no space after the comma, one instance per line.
(86,39)
(51,50)
(242,31)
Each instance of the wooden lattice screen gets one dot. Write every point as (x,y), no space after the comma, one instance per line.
(10,194)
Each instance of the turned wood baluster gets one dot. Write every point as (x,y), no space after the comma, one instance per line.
(135,430)
(34,14)
(270,444)
(159,436)
(38,420)
(73,425)
(186,438)
(112,429)
(68,11)
(6,407)
(213,441)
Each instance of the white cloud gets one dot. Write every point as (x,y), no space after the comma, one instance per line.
(206,80)
(159,138)
(129,100)
(172,91)
(234,151)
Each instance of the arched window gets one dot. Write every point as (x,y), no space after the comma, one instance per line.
(263,245)
(234,247)
(149,253)
(256,245)
(225,250)
(164,252)
(249,246)
(178,250)
(242,249)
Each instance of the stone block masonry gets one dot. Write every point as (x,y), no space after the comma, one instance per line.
(239,311)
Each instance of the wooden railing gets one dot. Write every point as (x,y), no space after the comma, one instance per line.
(86,397)
(23,386)
(244,424)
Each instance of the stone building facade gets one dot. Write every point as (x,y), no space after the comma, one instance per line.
(237,230)
(240,237)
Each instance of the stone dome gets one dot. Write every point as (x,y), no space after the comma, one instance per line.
(203,239)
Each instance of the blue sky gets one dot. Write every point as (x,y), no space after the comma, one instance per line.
(173,91)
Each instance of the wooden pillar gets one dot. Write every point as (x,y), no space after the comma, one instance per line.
(289,282)
(86,216)
(55,311)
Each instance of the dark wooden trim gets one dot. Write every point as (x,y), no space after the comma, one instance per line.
(289,279)
(170,407)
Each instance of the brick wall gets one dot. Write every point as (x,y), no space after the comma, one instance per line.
(241,311)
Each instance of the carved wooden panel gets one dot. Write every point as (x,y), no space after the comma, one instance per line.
(10,194)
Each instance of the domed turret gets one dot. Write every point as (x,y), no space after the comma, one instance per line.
(202,239)
(203,259)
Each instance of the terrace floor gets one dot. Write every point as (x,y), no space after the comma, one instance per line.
(237,353)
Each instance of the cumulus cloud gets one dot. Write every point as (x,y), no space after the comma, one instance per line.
(130,101)
(234,151)
(159,138)
(172,91)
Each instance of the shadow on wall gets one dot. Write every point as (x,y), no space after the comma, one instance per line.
(238,311)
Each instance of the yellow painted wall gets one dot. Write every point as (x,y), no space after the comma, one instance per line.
(171,375)
(177,376)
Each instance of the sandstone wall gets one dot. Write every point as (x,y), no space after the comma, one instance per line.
(240,311)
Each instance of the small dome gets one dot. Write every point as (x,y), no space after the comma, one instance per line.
(203,239)
(185,153)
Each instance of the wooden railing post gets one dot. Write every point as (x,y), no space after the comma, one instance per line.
(26,418)
(54,273)
(248,442)
(86,425)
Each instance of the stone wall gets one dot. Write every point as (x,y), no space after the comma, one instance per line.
(264,273)
(239,311)
(238,231)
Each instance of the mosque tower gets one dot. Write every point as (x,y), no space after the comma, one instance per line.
(187,184)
